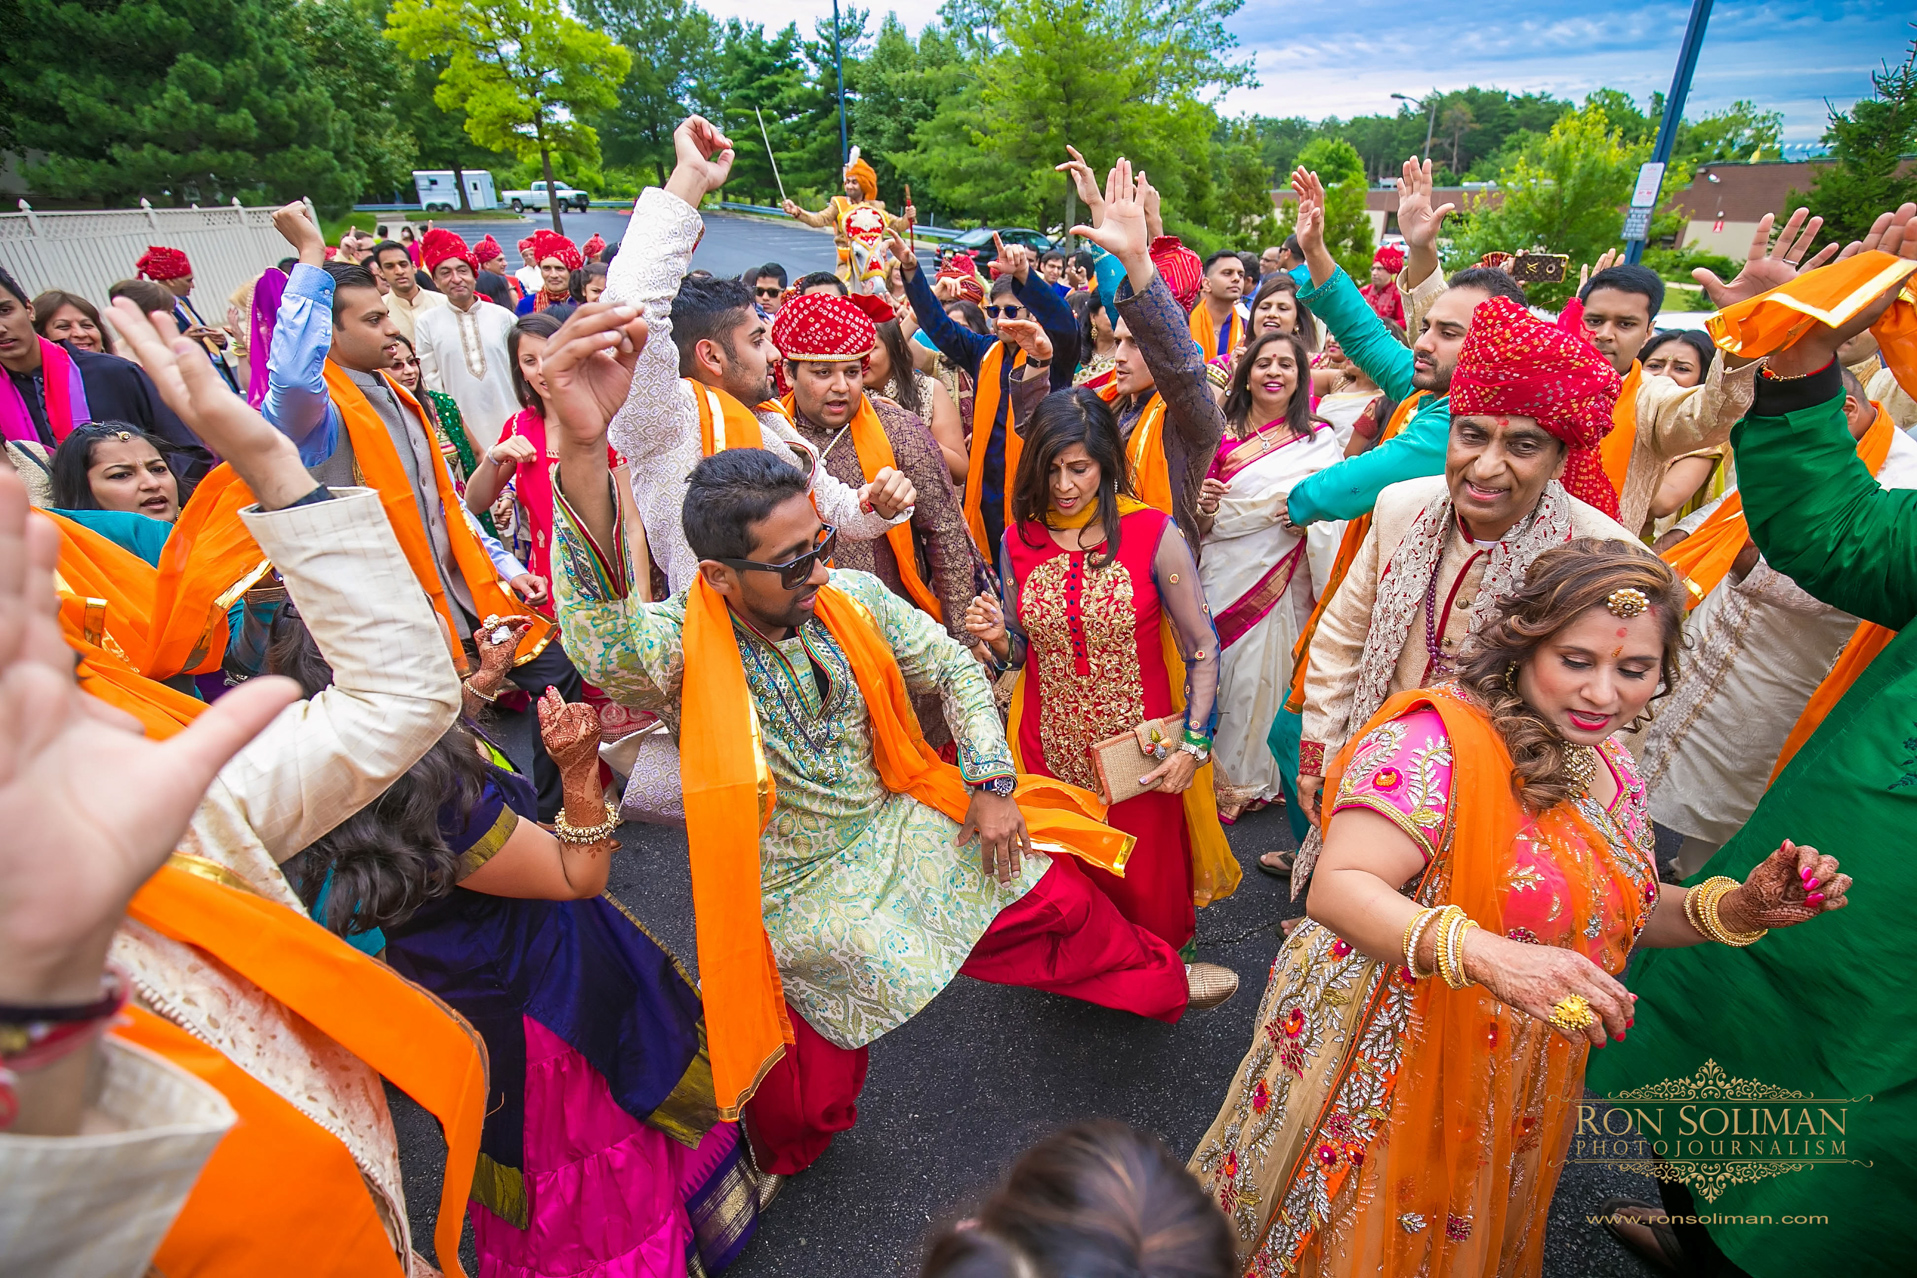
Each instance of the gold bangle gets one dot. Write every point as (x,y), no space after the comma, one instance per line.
(477,693)
(1414,937)
(566,832)
(1450,951)
(1715,890)
(1440,956)
(1458,979)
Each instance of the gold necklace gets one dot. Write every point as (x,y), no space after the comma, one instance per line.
(1580,766)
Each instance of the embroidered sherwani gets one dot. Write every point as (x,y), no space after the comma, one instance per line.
(657,430)
(870,906)
(463,353)
(1450,573)
(406,313)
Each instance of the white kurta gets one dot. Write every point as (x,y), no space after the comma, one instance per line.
(463,354)
(1757,650)
(1245,543)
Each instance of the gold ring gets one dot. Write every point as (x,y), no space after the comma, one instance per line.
(1572,1013)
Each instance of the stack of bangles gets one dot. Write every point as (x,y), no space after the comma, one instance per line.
(33,1038)
(1195,743)
(1452,924)
(566,832)
(1700,907)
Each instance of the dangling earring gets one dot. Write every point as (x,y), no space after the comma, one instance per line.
(1511,679)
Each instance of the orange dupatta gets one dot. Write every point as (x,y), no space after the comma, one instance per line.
(1614,454)
(378,462)
(229,1226)
(985,397)
(729,798)
(1444,1147)
(1354,538)
(1829,295)
(1205,333)
(1145,452)
(723,421)
(874,448)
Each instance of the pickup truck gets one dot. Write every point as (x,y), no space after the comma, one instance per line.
(535,198)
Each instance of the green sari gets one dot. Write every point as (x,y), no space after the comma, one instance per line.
(1823,1009)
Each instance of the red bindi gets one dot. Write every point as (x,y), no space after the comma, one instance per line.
(1622,632)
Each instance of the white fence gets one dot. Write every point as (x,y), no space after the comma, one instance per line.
(88,252)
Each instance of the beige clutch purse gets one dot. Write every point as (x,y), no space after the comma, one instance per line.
(1121,760)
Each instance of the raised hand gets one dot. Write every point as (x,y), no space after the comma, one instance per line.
(1767,265)
(702,159)
(497,640)
(1086,184)
(1015,258)
(291,221)
(588,367)
(569,729)
(1606,260)
(1154,218)
(1122,232)
(1310,226)
(1029,336)
(1890,233)
(79,777)
(1418,221)
(267,460)
(901,252)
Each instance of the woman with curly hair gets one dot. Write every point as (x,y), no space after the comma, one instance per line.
(1409,1096)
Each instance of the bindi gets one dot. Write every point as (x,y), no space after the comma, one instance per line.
(1621,632)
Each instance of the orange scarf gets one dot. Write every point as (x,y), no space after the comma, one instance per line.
(378,462)
(1145,452)
(723,421)
(280,1194)
(1354,537)
(985,397)
(1614,454)
(874,448)
(1829,295)
(730,794)
(1451,1076)
(1205,333)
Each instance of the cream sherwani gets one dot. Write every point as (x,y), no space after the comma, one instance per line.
(1337,648)
(1756,651)
(463,354)
(406,314)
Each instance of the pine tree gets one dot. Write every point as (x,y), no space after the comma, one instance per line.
(1867,146)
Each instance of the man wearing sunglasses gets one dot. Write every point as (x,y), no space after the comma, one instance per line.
(768,285)
(1018,293)
(825,341)
(705,372)
(870,896)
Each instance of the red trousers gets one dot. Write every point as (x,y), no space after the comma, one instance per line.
(1064,936)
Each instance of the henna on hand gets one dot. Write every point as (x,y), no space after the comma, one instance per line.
(1792,885)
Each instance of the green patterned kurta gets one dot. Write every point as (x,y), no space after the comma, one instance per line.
(870,906)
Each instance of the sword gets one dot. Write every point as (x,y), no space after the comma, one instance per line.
(768,154)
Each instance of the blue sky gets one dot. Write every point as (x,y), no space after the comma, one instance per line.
(1347,58)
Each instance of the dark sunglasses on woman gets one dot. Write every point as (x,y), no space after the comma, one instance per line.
(1005,312)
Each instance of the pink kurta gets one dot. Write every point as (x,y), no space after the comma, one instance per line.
(1095,668)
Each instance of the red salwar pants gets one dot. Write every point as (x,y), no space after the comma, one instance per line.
(1064,936)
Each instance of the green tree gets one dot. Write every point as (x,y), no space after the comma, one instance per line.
(1867,146)
(356,70)
(769,74)
(1740,132)
(522,70)
(900,84)
(1347,225)
(675,52)
(1564,193)
(187,101)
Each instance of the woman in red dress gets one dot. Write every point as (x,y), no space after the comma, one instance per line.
(1108,625)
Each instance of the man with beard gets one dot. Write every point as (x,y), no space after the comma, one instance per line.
(701,383)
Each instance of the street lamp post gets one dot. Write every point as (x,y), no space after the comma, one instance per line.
(1651,177)
(1430,123)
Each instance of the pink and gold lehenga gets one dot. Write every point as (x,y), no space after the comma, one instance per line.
(1381,1124)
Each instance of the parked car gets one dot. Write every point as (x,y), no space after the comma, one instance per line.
(979,242)
(534,198)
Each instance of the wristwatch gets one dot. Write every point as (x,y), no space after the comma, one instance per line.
(1001,786)
(1197,752)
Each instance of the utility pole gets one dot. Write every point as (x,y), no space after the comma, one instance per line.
(1650,178)
(1430,123)
(838,65)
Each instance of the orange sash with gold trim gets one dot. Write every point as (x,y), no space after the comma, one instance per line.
(723,421)
(1205,333)
(321,1219)
(1145,452)
(985,397)
(1614,454)
(378,461)
(1829,295)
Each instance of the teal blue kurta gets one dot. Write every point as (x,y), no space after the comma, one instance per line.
(1351,488)
(1825,1008)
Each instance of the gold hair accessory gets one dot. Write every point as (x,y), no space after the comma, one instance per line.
(1572,1013)
(123,435)
(1628,602)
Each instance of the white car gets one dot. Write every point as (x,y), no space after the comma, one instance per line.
(536,197)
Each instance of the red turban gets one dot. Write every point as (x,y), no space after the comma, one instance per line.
(1390,256)
(595,246)
(963,267)
(487,250)
(878,309)
(547,244)
(441,245)
(525,246)
(1513,364)
(163,264)
(1181,269)
(825,327)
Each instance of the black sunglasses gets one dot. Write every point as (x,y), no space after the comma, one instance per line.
(768,292)
(1008,312)
(794,572)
